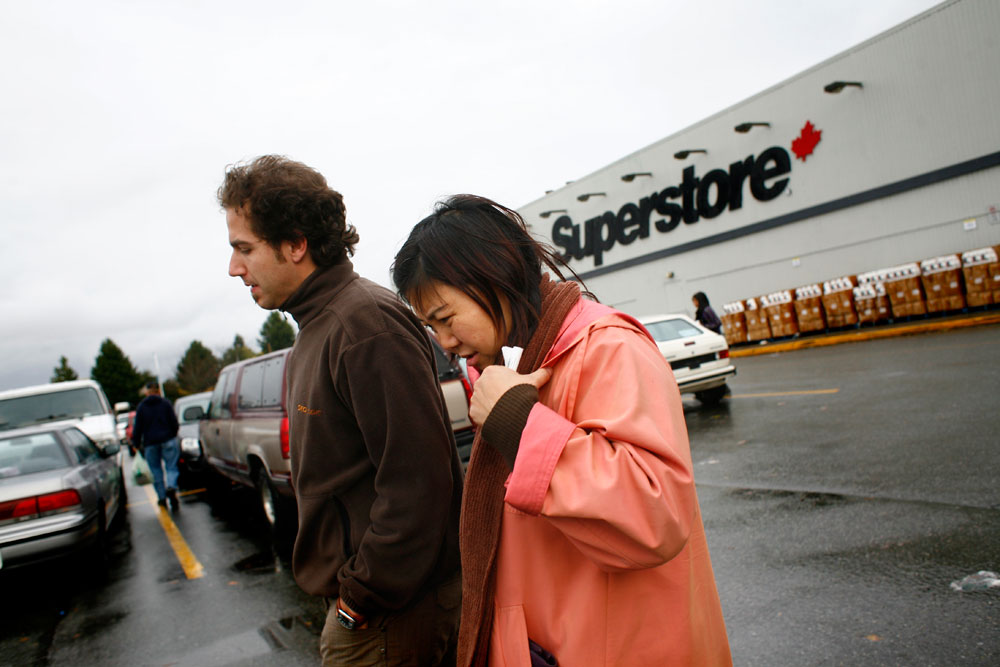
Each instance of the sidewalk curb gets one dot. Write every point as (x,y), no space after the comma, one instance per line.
(873,333)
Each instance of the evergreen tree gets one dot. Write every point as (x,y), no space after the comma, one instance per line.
(116,374)
(197,370)
(276,334)
(62,372)
(237,352)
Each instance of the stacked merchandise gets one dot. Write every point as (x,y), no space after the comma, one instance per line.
(906,293)
(809,308)
(780,313)
(875,298)
(734,323)
(757,326)
(982,276)
(870,300)
(942,280)
(838,302)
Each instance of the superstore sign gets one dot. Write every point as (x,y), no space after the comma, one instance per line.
(694,198)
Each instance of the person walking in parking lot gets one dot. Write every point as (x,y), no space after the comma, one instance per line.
(155,434)
(704,314)
(581,535)
(374,465)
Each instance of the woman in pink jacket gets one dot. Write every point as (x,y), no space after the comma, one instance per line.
(582,540)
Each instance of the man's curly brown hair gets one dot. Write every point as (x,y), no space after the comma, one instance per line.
(285,200)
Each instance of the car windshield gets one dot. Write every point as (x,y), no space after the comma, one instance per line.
(52,406)
(667,330)
(30,453)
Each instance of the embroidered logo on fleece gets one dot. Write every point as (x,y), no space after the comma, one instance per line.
(308,411)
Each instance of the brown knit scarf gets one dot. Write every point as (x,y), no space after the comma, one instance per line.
(482,501)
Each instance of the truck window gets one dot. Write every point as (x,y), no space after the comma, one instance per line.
(251,385)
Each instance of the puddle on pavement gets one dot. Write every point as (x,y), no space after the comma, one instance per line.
(803,499)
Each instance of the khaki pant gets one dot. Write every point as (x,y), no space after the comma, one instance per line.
(424,634)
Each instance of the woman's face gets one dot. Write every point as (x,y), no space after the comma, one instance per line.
(460,324)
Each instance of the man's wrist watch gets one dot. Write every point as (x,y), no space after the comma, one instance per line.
(346,620)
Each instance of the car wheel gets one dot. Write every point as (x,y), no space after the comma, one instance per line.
(279,516)
(97,560)
(712,396)
(119,518)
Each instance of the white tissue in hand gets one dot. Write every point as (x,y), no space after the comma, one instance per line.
(511,356)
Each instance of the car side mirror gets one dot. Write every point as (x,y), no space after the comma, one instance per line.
(111,449)
(194,413)
(124,406)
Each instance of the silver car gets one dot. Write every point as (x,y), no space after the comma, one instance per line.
(59,493)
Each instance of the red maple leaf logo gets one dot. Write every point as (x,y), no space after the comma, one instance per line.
(804,145)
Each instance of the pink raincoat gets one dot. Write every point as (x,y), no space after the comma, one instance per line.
(602,557)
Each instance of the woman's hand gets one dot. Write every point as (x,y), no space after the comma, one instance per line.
(494,383)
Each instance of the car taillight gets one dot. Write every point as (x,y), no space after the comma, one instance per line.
(36,505)
(52,502)
(283,435)
(16,509)
(468,390)
(724,354)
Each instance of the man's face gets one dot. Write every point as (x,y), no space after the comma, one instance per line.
(268,272)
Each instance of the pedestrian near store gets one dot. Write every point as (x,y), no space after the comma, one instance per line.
(155,434)
(581,535)
(374,465)
(705,314)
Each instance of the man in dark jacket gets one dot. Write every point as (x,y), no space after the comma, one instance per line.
(155,434)
(374,465)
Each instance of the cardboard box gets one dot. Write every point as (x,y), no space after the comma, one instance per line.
(757,324)
(871,302)
(838,301)
(809,308)
(734,322)
(981,271)
(780,313)
(943,283)
(904,288)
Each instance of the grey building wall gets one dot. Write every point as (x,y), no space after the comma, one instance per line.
(907,167)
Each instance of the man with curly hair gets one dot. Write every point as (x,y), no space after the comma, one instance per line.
(375,470)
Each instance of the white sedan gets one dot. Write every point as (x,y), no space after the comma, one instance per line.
(699,357)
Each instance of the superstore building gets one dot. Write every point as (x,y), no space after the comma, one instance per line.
(886,154)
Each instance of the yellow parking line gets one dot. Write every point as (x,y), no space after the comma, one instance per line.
(192,567)
(787,393)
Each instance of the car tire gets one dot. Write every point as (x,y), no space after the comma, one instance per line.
(712,396)
(119,518)
(280,518)
(97,559)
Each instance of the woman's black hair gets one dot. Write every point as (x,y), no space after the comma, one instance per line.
(484,250)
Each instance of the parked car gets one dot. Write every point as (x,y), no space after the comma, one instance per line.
(699,357)
(59,494)
(457,393)
(81,402)
(244,436)
(190,410)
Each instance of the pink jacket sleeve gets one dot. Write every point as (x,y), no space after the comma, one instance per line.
(613,475)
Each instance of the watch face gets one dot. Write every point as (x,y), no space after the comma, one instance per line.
(345,619)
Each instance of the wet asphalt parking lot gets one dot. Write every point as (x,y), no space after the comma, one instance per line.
(844,489)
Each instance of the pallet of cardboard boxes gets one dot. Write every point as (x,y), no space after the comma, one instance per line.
(905,289)
(734,323)
(780,313)
(757,325)
(981,270)
(942,281)
(870,299)
(838,301)
(809,308)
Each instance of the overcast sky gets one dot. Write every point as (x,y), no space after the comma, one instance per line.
(117,121)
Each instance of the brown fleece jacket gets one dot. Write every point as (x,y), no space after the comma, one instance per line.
(374,464)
